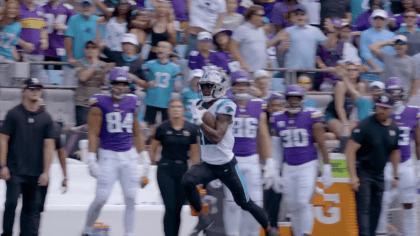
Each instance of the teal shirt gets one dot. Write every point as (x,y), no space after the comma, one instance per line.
(164,76)
(188,94)
(9,37)
(364,108)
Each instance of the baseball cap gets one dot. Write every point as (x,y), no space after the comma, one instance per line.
(226,31)
(385,100)
(204,36)
(400,39)
(299,7)
(379,13)
(377,85)
(130,38)
(32,83)
(196,73)
(87,3)
(261,73)
(91,42)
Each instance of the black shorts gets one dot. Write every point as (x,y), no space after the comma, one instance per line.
(150,116)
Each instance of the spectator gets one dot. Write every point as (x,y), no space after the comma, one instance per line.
(10,30)
(34,36)
(165,76)
(375,34)
(221,40)
(280,10)
(305,82)
(399,65)
(271,51)
(140,25)
(300,47)
(275,103)
(192,92)
(313,10)
(232,20)
(91,73)
(203,57)
(268,6)
(162,28)
(411,31)
(249,43)
(335,9)
(204,16)
(328,54)
(81,29)
(400,18)
(363,22)
(350,52)
(262,84)
(117,25)
(56,14)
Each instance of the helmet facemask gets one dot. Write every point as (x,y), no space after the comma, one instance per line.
(240,93)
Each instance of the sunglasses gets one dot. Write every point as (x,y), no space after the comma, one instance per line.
(304,82)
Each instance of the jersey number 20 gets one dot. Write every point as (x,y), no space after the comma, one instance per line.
(114,123)
(294,138)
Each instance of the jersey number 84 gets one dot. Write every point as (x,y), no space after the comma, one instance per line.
(114,124)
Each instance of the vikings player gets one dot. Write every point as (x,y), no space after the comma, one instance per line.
(112,122)
(407,119)
(298,130)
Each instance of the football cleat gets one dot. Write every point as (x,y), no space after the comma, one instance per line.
(204,222)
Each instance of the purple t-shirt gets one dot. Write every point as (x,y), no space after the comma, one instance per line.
(406,122)
(330,57)
(279,12)
(60,14)
(32,22)
(245,127)
(363,21)
(117,122)
(296,135)
(180,10)
(197,61)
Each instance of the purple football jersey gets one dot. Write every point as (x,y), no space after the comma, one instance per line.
(296,135)
(117,123)
(32,22)
(60,14)
(406,121)
(245,128)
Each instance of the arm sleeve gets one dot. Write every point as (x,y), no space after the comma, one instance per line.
(70,28)
(316,115)
(238,35)
(49,129)
(159,133)
(9,124)
(359,134)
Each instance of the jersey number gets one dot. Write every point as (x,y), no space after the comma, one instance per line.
(114,124)
(245,127)
(404,136)
(294,138)
(7,39)
(162,79)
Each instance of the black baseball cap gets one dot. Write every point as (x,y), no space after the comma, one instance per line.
(385,100)
(32,83)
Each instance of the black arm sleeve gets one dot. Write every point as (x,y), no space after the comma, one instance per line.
(359,133)
(49,131)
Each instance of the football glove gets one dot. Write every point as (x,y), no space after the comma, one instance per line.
(327,178)
(197,111)
(272,178)
(94,168)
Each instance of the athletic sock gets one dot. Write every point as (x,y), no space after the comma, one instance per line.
(410,218)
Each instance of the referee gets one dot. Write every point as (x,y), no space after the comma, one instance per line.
(26,150)
(179,139)
(373,142)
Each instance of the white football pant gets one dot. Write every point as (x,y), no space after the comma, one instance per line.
(122,166)
(237,221)
(300,182)
(407,193)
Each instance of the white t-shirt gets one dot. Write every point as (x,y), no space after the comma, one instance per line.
(313,8)
(114,32)
(221,153)
(204,13)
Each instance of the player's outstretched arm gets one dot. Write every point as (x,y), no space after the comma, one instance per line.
(216,135)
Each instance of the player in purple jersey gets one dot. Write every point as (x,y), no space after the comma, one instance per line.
(250,130)
(298,130)
(407,119)
(112,122)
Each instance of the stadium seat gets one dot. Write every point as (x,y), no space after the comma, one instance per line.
(322,100)
(60,105)
(9,98)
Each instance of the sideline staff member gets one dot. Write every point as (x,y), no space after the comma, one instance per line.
(26,150)
(373,142)
(177,137)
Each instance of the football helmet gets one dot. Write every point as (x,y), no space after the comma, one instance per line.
(218,82)
(240,77)
(294,91)
(118,75)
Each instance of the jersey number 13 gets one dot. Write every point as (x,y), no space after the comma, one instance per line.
(114,123)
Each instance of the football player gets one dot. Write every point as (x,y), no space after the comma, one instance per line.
(112,122)
(216,145)
(298,130)
(407,119)
(250,130)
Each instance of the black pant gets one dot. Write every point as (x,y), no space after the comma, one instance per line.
(81,115)
(369,200)
(56,67)
(169,176)
(230,176)
(28,187)
(272,206)
(150,116)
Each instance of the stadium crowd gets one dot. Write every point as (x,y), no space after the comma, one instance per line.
(346,48)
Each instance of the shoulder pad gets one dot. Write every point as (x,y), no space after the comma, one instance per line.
(277,113)
(397,15)
(411,106)
(68,6)
(257,100)
(131,95)
(194,53)
(311,109)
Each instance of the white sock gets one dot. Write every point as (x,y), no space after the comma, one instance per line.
(410,220)
(307,219)
(129,216)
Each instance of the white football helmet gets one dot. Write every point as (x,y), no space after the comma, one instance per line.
(218,80)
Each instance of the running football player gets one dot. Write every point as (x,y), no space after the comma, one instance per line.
(112,122)
(298,130)
(216,144)
(407,119)
(250,129)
